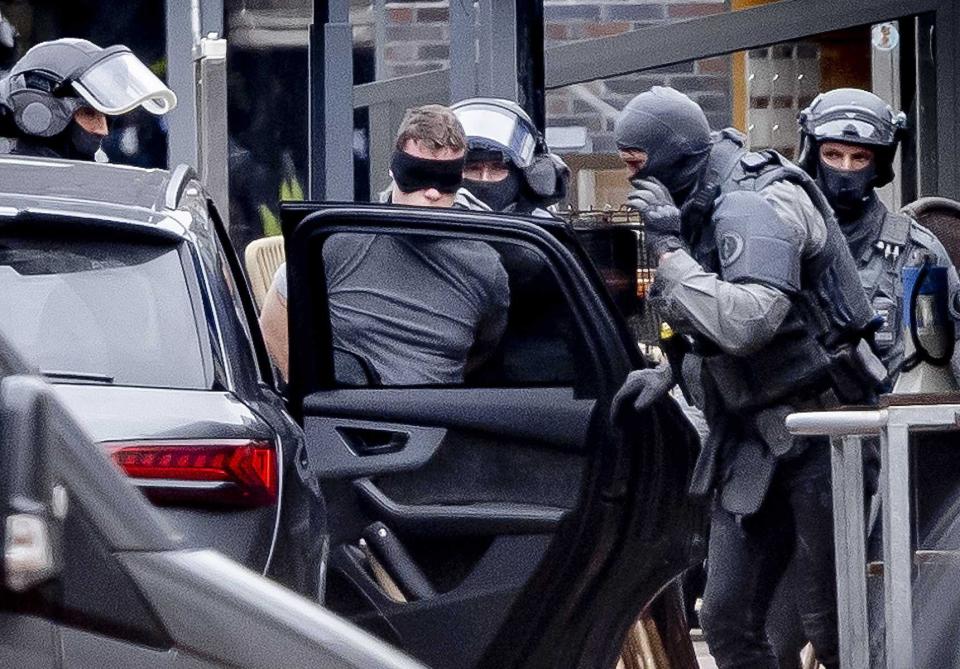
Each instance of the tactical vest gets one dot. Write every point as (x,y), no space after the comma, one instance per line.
(881,273)
(812,352)
(817,353)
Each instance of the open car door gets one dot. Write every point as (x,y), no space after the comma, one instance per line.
(453,371)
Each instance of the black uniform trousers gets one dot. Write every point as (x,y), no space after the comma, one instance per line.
(748,555)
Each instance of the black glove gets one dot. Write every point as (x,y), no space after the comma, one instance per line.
(661,217)
(641,389)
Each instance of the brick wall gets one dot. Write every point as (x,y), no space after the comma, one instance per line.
(418,41)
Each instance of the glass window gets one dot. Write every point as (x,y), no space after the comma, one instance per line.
(416,310)
(101,312)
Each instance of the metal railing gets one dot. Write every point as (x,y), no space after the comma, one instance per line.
(893,424)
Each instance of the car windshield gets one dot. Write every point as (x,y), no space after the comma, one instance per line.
(101,312)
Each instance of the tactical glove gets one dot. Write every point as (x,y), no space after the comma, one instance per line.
(641,389)
(661,217)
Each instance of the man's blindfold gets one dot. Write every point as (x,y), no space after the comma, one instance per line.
(412,174)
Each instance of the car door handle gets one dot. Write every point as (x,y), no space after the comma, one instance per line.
(481,518)
(366,441)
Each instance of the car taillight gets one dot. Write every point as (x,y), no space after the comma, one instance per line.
(225,471)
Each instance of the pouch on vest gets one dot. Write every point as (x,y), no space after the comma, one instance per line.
(858,374)
(792,365)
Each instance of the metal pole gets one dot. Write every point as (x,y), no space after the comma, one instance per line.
(502,79)
(181,22)
(331,101)
(316,188)
(897,558)
(850,551)
(511,27)
(380,38)
(530,60)
(185,23)
(463,50)
(212,137)
(338,100)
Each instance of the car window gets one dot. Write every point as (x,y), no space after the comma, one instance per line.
(101,311)
(417,310)
(242,319)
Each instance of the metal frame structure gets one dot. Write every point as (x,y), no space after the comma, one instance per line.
(186,22)
(724,33)
(845,428)
(331,111)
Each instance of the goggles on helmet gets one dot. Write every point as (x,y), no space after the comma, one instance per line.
(855,125)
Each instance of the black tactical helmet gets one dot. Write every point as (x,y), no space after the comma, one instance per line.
(851,116)
(54,79)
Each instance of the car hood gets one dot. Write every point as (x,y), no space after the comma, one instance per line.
(113,413)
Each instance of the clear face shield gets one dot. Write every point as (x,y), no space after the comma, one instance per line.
(496,129)
(119,83)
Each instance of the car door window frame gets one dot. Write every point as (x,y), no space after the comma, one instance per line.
(251,322)
(312,366)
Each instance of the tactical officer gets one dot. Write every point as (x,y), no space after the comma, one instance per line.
(754,270)
(848,138)
(56,99)
(509,167)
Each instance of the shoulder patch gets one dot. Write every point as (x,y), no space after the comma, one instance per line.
(730,248)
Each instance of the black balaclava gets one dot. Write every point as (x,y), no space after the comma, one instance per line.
(673,131)
(847,191)
(498,195)
(84,144)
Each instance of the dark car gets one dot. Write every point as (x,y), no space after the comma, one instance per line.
(494,518)
(91,576)
(119,286)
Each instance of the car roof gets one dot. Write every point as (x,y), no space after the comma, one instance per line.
(88,189)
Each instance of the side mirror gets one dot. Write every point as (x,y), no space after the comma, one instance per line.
(33,504)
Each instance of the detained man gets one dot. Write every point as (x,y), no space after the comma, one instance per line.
(416,310)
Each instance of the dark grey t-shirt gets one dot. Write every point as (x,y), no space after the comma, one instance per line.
(417,309)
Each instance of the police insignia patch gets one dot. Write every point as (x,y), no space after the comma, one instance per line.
(731,246)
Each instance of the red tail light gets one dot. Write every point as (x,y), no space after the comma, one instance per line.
(226,471)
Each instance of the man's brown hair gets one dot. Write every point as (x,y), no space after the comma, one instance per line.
(433,126)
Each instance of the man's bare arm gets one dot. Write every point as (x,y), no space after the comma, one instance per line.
(273,324)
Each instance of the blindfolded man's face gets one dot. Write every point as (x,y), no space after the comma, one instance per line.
(429,196)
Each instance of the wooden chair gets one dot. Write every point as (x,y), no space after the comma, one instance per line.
(262,258)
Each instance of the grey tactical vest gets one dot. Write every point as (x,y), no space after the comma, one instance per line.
(902,242)
(810,358)
(831,310)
